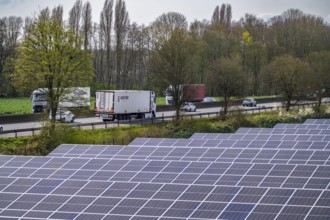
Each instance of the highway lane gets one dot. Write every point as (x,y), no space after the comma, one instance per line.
(35,125)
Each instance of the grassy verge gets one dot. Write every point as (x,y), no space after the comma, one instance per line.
(122,136)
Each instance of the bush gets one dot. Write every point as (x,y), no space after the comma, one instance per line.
(44,143)
(49,139)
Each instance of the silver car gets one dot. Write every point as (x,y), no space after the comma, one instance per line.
(209,99)
(249,102)
(188,107)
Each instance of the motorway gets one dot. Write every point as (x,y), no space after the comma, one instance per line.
(35,125)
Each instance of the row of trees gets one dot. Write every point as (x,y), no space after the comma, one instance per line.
(287,55)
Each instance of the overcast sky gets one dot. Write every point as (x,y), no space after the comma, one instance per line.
(146,11)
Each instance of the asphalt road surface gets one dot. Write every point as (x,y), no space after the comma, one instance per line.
(35,125)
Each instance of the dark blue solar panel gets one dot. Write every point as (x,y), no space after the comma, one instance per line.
(256,173)
(236,211)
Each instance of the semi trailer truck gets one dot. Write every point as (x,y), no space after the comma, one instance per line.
(75,97)
(125,104)
(187,93)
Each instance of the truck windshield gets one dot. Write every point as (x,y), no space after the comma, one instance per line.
(169,92)
(39,97)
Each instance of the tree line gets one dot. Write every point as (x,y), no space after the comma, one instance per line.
(286,55)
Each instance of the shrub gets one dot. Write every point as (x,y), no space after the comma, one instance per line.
(42,144)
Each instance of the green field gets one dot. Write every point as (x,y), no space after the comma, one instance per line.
(23,105)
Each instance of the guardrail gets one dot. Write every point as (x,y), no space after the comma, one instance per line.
(130,122)
(162,119)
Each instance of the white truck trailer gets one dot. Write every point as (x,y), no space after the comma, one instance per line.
(125,104)
(75,97)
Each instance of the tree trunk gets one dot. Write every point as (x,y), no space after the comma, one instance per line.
(225,105)
(287,105)
(319,102)
(177,113)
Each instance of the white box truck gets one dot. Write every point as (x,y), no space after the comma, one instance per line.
(73,97)
(125,104)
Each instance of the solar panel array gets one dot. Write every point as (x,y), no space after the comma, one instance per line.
(255,173)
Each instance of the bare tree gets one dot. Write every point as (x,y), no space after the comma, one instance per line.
(228,15)
(228,79)
(87,24)
(3,47)
(57,13)
(10,29)
(97,48)
(171,63)
(320,76)
(121,26)
(173,20)
(165,24)
(298,33)
(106,21)
(223,14)
(133,74)
(290,74)
(198,28)
(216,15)
(75,16)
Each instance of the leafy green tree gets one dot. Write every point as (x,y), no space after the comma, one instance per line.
(320,76)
(171,63)
(290,75)
(51,57)
(228,78)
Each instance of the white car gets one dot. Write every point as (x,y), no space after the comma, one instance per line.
(249,102)
(209,99)
(64,115)
(1,128)
(188,107)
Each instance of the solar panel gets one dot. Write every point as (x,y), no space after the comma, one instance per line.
(297,152)
(310,172)
(317,121)
(252,174)
(158,199)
